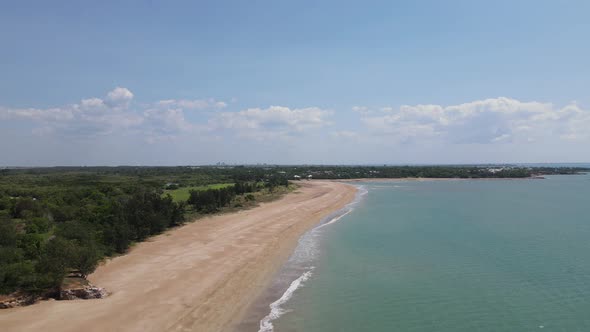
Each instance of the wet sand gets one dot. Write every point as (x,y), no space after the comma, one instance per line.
(199,277)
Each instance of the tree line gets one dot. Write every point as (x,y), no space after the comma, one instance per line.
(55,224)
(42,241)
(212,200)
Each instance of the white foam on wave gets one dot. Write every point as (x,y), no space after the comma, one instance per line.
(333,220)
(276,310)
(305,253)
(307,248)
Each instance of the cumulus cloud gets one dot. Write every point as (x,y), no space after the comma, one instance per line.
(92,116)
(345,134)
(119,97)
(360,109)
(92,103)
(34,114)
(484,121)
(166,124)
(195,104)
(165,119)
(275,121)
(494,122)
(103,116)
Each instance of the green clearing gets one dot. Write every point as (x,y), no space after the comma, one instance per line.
(183,194)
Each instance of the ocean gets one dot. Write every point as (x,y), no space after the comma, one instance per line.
(457,255)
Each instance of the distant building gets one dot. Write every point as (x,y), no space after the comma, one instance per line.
(309,177)
(296,177)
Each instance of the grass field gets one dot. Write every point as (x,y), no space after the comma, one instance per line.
(182,194)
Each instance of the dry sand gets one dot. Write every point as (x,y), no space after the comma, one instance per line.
(199,277)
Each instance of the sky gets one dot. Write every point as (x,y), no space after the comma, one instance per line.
(294,82)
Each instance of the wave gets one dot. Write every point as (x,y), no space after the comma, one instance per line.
(275,308)
(303,255)
(333,220)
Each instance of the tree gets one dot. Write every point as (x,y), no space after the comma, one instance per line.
(31,245)
(17,275)
(84,259)
(8,233)
(26,204)
(117,236)
(54,261)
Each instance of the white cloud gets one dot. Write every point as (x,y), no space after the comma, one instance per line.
(95,116)
(492,129)
(484,121)
(34,114)
(171,120)
(195,104)
(165,119)
(345,134)
(92,103)
(89,117)
(119,97)
(275,121)
(360,109)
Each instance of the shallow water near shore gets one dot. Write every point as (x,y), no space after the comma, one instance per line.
(295,272)
(505,255)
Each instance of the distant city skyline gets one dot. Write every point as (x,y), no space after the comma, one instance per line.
(336,82)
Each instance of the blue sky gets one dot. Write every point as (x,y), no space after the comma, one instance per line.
(165,83)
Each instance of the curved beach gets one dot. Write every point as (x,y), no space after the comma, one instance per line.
(199,277)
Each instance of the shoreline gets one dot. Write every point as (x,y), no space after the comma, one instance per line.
(198,277)
(268,305)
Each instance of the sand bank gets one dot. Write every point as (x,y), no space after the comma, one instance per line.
(199,277)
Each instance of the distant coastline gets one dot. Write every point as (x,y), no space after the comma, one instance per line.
(432,179)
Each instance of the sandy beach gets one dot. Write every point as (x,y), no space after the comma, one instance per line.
(198,277)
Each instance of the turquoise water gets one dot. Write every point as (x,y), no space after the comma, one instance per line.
(488,255)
